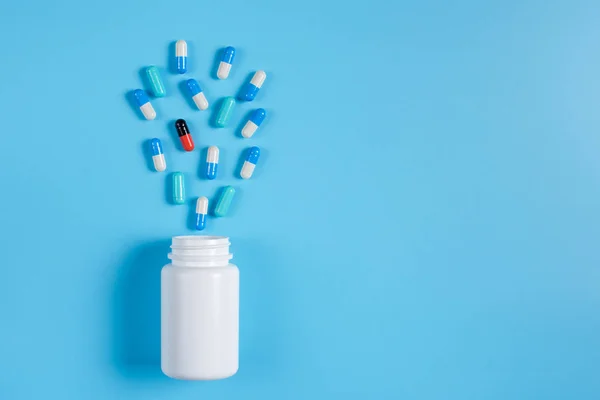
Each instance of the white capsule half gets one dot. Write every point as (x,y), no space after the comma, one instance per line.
(223,71)
(249,129)
(212,155)
(259,78)
(247,170)
(200,100)
(159,162)
(202,205)
(180,48)
(148,111)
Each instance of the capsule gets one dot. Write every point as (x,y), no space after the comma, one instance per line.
(250,163)
(197,94)
(178,188)
(184,135)
(224,201)
(156,84)
(201,211)
(158,158)
(225,112)
(143,102)
(251,89)
(212,162)
(256,118)
(181,56)
(226,61)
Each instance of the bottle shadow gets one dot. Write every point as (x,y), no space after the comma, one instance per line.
(135,311)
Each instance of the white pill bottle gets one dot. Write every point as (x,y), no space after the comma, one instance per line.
(199,310)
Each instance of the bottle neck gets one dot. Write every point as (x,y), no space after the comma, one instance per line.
(200,251)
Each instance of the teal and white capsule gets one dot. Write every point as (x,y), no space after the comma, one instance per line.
(224,201)
(201,211)
(212,162)
(256,118)
(155,81)
(250,163)
(178,188)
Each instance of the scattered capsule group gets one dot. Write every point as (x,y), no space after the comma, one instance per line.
(222,117)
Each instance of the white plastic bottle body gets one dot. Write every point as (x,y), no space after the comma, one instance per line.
(199,320)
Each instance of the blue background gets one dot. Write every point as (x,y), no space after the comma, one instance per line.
(423,222)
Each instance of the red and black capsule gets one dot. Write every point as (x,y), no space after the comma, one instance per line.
(184,134)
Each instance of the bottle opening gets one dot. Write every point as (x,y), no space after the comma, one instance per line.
(200,251)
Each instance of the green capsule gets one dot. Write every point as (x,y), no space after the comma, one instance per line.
(155,81)
(178,188)
(224,201)
(225,112)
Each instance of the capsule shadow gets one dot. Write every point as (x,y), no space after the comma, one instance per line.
(241,91)
(169,188)
(130,99)
(173,133)
(171,60)
(202,164)
(216,62)
(147,152)
(215,113)
(191,220)
(240,163)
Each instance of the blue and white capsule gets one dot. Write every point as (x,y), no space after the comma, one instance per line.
(212,162)
(256,118)
(201,211)
(251,89)
(181,56)
(158,157)
(197,94)
(250,163)
(143,102)
(226,61)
